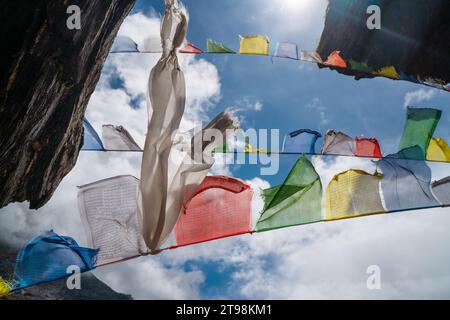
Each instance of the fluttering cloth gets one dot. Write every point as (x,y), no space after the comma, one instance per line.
(166,103)
(310,56)
(301,141)
(47,257)
(254,45)
(338,143)
(221,207)
(190,48)
(353,193)
(297,201)
(406,183)
(118,138)
(287,50)
(109,211)
(438,150)
(335,60)
(91,140)
(124,44)
(418,131)
(215,47)
(367,147)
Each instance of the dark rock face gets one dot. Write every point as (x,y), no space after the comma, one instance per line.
(414,36)
(47,74)
(91,287)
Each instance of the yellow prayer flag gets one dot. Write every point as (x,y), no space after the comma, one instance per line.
(5,287)
(353,193)
(388,72)
(438,150)
(254,45)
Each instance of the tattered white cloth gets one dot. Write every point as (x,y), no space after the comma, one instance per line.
(118,138)
(108,209)
(166,102)
(338,143)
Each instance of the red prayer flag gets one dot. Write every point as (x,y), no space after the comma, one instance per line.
(368,147)
(190,48)
(221,207)
(335,60)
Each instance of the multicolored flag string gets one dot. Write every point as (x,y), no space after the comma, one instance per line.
(260,45)
(418,131)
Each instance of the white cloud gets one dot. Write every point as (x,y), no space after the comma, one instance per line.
(317,106)
(418,96)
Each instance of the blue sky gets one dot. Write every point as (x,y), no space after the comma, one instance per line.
(325,260)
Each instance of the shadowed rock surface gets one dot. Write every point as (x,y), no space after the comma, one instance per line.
(414,36)
(91,287)
(47,75)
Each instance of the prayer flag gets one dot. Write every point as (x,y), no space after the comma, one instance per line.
(287,50)
(419,129)
(301,141)
(368,147)
(118,138)
(335,60)
(215,47)
(297,201)
(91,140)
(353,193)
(46,258)
(221,207)
(338,143)
(254,45)
(438,150)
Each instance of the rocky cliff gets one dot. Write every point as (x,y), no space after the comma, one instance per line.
(413,36)
(47,74)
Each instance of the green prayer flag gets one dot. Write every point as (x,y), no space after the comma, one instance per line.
(215,47)
(419,129)
(360,66)
(297,201)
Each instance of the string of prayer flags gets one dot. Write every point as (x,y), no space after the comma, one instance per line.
(297,201)
(301,141)
(258,45)
(353,193)
(215,47)
(91,140)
